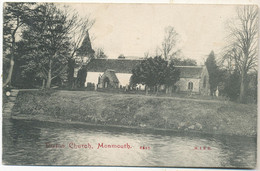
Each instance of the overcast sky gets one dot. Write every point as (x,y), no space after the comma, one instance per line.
(133,29)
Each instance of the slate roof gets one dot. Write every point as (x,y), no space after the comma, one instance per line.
(190,71)
(126,66)
(118,65)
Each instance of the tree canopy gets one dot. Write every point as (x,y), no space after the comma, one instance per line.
(155,72)
(214,72)
(47,41)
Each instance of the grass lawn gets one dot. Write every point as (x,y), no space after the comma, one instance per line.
(139,111)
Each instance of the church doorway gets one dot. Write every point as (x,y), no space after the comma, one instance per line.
(106,82)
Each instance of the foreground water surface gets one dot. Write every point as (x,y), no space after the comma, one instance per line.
(28,142)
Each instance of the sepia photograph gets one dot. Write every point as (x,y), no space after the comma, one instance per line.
(130,84)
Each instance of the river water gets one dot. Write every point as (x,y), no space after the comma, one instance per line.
(28,142)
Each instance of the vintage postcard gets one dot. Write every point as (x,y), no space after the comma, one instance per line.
(147,85)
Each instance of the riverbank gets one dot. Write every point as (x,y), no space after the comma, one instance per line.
(137,111)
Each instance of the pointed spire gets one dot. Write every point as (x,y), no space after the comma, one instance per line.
(86,47)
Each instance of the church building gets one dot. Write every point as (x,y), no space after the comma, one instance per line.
(116,73)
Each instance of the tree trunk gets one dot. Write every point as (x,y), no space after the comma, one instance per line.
(10,73)
(170,90)
(242,88)
(43,83)
(157,89)
(146,90)
(48,84)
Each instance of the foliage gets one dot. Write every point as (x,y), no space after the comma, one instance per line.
(121,56)
(14,14)
(154,72)
(172,74)
(46,42)
(80,36)
(214,72)
(85,52)
(232,86)
(81,77)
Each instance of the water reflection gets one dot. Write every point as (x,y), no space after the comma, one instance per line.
(24,143)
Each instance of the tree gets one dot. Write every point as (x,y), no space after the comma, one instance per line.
(171,77)
(84,54)
(243,41)
(14,14)
(169,43)
(232,85)
(121,56)
(214,72)
(154,72)
(47,41)
(100,54)
(78,34)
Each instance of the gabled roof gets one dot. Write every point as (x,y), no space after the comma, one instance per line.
(118,65)
(111,75)
(190,71)
(126,66)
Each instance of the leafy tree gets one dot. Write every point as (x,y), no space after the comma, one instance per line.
(47,41)
(171,77)
(154,72)
(14,14)
(232,86)
(243,41)
(121,56)
(213,70)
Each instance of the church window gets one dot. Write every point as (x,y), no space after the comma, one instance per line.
(190,85)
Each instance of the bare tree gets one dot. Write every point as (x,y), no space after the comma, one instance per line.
(100,54)
(146,54)
(169,43)
(243,39)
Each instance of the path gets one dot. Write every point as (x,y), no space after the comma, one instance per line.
(7,107)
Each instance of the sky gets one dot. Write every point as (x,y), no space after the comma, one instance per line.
(134,29)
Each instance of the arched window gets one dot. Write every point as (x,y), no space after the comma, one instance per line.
(190,85)
(204,82)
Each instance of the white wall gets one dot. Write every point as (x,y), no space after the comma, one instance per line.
(92,77)
(124,79)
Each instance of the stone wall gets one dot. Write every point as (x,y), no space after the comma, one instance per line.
(182,84)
